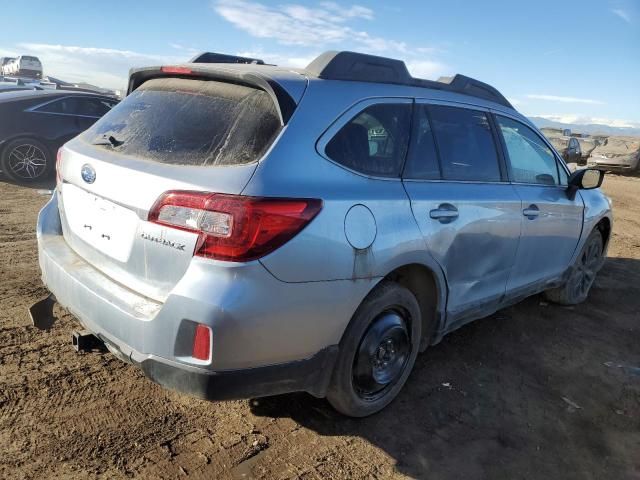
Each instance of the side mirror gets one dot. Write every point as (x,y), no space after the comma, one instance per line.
(584,179)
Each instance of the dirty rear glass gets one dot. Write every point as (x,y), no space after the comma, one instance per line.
(190,122)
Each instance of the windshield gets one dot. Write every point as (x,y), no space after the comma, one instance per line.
(190,122)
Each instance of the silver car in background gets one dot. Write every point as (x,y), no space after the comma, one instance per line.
(617,154)
(240,229)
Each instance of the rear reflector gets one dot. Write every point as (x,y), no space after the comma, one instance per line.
(202,343)
(234,227)
(178,70)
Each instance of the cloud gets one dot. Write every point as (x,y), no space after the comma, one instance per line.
(623,14)
(109,67)
(105,67)
(586,120)
(183,48)
(428,69)
(294,24)
(299,61)
(355,11)
(556,98)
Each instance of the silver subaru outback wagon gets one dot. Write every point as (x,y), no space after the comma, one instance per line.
(237,229)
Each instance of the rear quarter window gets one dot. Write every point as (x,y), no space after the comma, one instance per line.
(375,141)
(191,122)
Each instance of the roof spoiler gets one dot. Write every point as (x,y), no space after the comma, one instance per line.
(281,98)
(359,67)
(213,57)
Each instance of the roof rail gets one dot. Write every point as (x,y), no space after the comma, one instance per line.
(359,67)
(212,57)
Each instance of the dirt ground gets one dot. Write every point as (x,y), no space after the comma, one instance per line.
(534,391)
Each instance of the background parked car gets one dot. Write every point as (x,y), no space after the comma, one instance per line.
(568,147)
(617,154)
(3,62)
(24,65)
(42,121)
(12,87)
(572,149)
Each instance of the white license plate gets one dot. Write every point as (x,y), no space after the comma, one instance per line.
(107,227)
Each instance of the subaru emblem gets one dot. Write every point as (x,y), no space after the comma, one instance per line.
(88,173)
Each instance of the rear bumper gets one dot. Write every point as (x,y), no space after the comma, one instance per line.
(311,375)
(269,336)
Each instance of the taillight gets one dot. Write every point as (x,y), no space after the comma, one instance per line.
(202,343)
(59,166)
(234,227)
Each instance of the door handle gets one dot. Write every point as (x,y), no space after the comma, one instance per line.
(445,213)
(531,212)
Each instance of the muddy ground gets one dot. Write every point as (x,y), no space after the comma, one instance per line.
(535,391)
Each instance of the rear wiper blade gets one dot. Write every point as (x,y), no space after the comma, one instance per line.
(110,140)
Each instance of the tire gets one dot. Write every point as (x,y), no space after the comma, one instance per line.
(583,273)
(26,160)
(377,351)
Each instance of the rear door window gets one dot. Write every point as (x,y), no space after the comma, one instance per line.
(375,141)
(465,142)
(531,160)
(90,107)
(190,122)
(84,106)
(57,106)
(422,160)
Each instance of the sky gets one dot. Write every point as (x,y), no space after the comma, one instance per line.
(571,61)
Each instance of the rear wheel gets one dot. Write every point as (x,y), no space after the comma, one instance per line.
(26,160)
(377,352)
(583,273)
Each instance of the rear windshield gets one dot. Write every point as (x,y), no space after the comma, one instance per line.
(30,59)
(190,122)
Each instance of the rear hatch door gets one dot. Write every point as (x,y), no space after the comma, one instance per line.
(169,134)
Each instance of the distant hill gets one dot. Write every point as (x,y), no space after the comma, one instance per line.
(592,128)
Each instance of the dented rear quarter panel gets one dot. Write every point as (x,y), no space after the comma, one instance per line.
(294,168)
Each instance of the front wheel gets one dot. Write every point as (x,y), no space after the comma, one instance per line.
(583,273)
(377,351)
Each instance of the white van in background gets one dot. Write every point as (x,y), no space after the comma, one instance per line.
(25,66)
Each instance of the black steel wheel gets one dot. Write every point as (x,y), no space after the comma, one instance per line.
(377,351)
(382,355)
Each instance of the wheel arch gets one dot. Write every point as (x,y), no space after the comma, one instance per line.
(429,289)
(604,226)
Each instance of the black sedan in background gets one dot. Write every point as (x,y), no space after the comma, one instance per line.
(34,124)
